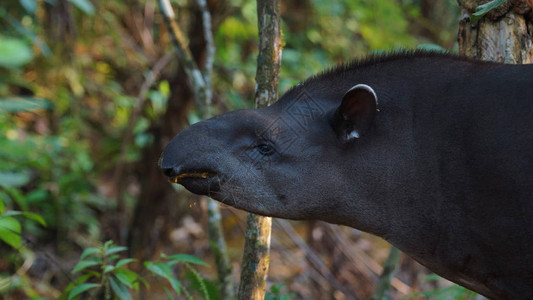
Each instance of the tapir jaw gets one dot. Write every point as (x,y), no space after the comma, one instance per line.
(201,181)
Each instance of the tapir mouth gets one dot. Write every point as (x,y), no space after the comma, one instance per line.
(199,175)
(203,182)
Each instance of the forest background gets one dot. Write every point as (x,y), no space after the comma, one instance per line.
(91,92)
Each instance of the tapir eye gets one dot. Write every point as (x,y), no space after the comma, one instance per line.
(265,149)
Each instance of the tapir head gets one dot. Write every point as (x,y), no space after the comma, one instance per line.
(285,160)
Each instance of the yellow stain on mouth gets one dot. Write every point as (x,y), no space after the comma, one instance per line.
(177,179)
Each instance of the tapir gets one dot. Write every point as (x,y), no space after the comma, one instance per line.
(432,152)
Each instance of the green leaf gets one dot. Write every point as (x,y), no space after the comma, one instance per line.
(28,33)
(17,196)
(197,282)
(431,47)
(164,271)
(84,264)
(24,104)
(81,288)
(485,8)
(85,5)
(73,284)
(10,231)
(29,215)
(115,249)
(156,269)
(89,251)
(14,53)
(126,276)
(120,289)
(124,261)
(2,206)
(187,258)
(12,179)
(29,5)
(113,257)
(108,269)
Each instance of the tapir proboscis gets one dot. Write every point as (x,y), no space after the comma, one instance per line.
(432,152)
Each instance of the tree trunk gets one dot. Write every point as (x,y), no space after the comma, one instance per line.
(502,35)
(256,255)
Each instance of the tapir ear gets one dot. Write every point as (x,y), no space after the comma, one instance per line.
(356,113)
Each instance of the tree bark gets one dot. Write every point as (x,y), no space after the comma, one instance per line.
(256,255)
(502,35)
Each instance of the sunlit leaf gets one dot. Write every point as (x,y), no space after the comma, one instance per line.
(84,264)
(188,258)
(24,104)
(14,53)
(34,217)
(2,206)
(126,276)
(13,179)
(120,289)
(108,269)
(10,231)
(89,251)
(29,34)
(115,250)
(484,9)
(124,261)
(159,101)
(85,5)
(164,271)
(155,268)
(81,288)
(29,5)
(29,215)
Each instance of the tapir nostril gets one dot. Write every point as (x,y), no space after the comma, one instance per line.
(170,172)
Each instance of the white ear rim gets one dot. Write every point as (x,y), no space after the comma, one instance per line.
(366,88)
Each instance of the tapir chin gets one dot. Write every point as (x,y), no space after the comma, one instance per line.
(432,152)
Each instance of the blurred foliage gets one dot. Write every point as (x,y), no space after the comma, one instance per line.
(102,274)
(275,293)
(70,75)
(451,292)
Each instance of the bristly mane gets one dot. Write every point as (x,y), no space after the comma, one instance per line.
(374,59)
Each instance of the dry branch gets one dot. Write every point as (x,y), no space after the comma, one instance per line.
(257,238)
(201,84)
(184,54)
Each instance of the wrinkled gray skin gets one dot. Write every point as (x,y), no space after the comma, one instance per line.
(443,169)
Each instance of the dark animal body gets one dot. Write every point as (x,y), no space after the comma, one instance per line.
(432,152)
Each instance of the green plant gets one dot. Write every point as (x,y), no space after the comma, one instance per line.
(102,272)
(10,227)
(163,269)
(102,269)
